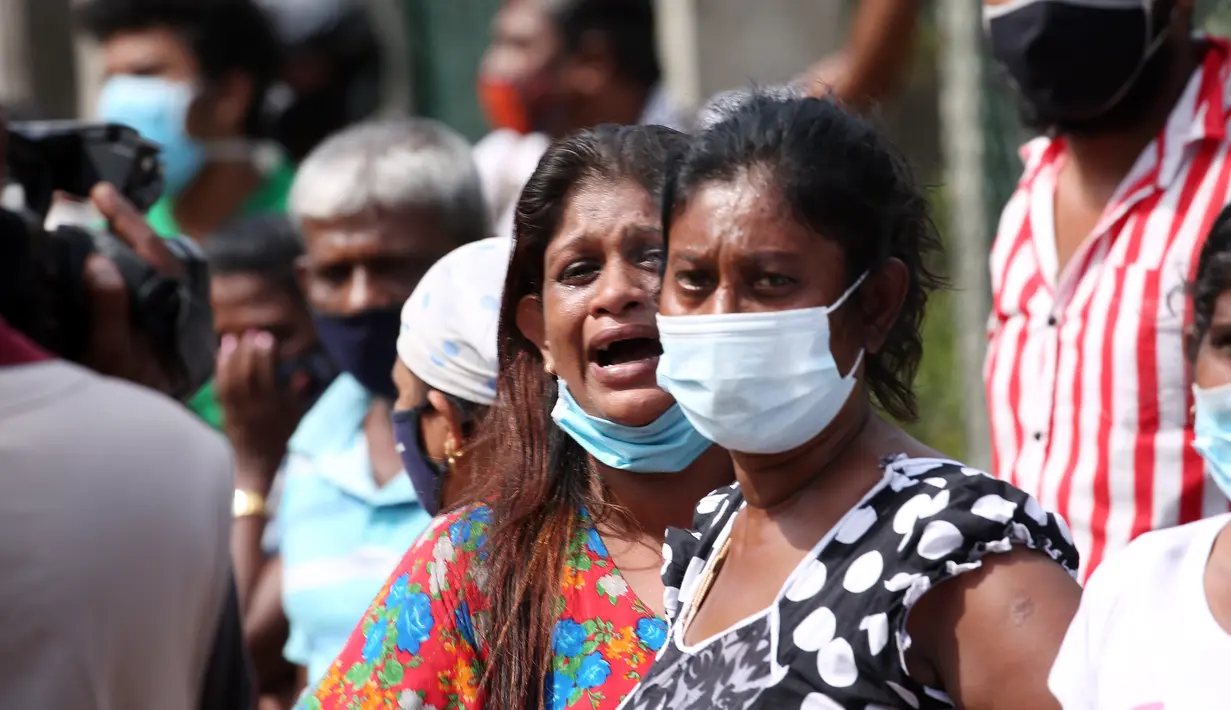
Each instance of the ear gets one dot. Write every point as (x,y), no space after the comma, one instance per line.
(455,439)
(530,323)
(882,297)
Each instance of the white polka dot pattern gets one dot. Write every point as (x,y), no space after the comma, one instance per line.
(839,623)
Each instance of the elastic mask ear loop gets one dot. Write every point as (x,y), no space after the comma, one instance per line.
(854,287)
(854,368)
(1151,48)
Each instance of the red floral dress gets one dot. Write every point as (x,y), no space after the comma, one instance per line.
(421,644)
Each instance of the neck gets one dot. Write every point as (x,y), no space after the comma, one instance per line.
(214,197)
(772,482)
(382,447)
(659,501)
(1106,158)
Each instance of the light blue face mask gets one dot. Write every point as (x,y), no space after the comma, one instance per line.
(667,445)
(1212,433)
(158,109)
(757,383)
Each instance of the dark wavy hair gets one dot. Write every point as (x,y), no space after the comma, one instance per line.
(538,481)
(841,178)
(1213,277)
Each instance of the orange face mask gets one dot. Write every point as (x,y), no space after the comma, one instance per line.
(504,105)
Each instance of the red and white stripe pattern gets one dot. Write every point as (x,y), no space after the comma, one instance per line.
(1088,386)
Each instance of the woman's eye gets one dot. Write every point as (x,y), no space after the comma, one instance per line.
(693,280)
(773,281)
(577,271)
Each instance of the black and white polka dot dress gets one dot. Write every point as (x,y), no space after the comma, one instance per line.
(835,638)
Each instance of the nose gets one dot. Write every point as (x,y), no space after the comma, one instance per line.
(723,301)
(619,290)
(361,294)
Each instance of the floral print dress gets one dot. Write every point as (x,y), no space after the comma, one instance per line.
(421,646)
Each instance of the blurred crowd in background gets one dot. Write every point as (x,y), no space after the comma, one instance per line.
(353,173)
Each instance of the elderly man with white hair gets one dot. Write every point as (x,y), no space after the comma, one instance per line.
(378,205)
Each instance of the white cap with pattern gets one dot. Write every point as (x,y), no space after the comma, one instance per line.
(448,335)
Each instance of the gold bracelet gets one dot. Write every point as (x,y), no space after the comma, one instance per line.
(246,504)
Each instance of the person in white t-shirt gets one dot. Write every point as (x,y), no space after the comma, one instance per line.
(1154,628)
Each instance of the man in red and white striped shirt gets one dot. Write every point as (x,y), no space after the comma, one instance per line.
(1088,391)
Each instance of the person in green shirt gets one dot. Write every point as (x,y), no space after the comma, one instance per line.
(191,75)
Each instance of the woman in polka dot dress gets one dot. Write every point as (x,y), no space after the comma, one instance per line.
(850,566)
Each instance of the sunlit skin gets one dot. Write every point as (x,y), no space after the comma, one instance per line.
(1212,368)
(735,248)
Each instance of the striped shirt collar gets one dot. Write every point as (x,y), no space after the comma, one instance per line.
(1200,115)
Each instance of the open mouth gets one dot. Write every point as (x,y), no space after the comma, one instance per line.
(622,352)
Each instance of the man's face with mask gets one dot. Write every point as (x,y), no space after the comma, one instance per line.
(357,273)
(1082,69)
(153,83)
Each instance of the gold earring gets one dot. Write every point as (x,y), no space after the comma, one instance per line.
(452,452)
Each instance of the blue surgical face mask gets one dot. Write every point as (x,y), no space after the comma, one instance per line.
(667,445)
(1212,433)
(758,383)
(158,109)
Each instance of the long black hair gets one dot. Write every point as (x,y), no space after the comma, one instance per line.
(538,481)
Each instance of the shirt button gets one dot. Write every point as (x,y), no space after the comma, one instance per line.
(1038,436)
(1051,321)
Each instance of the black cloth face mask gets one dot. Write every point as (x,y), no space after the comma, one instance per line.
(363,345)
(1074,62)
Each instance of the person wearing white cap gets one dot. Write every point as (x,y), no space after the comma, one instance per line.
(446,367)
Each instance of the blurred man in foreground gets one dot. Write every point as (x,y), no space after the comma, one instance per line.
(114,507)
